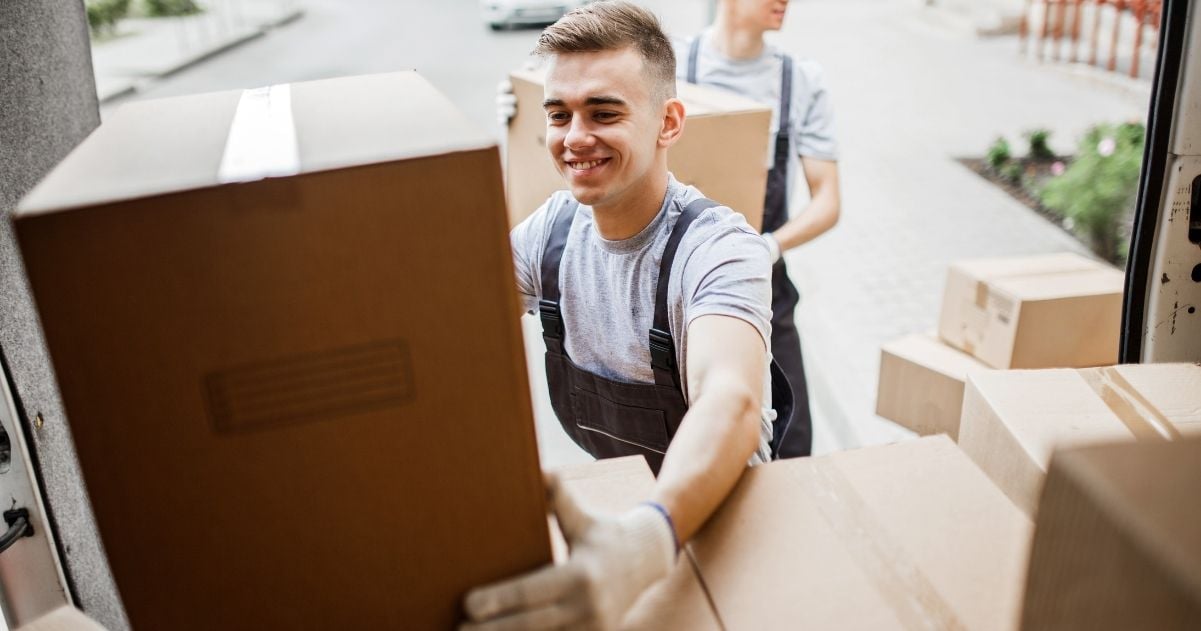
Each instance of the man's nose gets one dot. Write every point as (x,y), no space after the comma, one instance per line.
(579,134)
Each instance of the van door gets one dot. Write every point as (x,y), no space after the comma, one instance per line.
(1161,318)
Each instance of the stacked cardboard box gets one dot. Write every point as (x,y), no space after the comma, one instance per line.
(1118,540)
(723,152)
(921,384)
(1047,311)
(910,535)
(287,338)
(1014,420)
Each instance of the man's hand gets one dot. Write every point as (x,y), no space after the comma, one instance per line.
(613,560)
(825,206)
(506,103)
(773,247)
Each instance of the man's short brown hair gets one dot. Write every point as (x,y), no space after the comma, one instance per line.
(613,25)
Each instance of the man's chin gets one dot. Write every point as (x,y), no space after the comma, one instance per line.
(587,195)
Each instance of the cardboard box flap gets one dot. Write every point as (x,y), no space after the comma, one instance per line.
(1014,420)
(1062,284)
(149,148)
(1048,408)
(926,349)
(910,535)
(1171,389)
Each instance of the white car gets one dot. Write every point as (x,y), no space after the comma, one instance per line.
(501,13)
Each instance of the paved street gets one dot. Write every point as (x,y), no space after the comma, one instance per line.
(911,91)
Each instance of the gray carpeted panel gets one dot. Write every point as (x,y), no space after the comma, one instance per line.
(47,105)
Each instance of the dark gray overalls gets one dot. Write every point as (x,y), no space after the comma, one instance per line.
(785,340)
(609,418)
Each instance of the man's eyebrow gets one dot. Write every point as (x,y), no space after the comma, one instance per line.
(604,100)
(591,101)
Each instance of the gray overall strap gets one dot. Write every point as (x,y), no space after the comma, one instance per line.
(694,52)
(785,98)
(663,347)
(548,306)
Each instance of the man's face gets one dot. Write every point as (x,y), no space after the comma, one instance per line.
(765,14)
(602,124)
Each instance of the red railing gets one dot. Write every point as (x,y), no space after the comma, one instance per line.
(1054,26)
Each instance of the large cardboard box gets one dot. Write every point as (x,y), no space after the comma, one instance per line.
(301,401)
(1013,420)
(1048,311)
(616,485)
(1118,540)
(905,536)
(921,384)
(723,152)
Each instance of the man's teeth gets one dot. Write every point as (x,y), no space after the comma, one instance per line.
(584,165)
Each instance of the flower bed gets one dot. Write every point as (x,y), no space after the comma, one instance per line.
(1091,194)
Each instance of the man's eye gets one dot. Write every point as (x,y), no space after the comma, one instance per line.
(605,116)
(558,117)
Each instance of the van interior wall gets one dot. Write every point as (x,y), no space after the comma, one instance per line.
(47,106)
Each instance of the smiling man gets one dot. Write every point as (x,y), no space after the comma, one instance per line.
(656,311)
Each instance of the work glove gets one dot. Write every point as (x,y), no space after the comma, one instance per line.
(506,103)
(773,247)
(613,560)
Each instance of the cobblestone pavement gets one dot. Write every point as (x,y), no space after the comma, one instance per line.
(911,94)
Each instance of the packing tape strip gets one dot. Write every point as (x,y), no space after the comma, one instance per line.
(262,137)
(914,600)
(1138,414)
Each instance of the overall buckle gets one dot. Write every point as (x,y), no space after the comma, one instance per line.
(663,350)
(552,319)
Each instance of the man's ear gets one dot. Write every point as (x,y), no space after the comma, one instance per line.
(673,122)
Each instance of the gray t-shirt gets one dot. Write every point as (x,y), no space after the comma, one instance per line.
(607,288)
(812,116)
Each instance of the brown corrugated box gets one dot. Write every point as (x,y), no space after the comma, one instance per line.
(910,535)
(723,151)
(298,402)
(1047,311)
(921,384)
(1118,540)
(1013,420)
(616,485)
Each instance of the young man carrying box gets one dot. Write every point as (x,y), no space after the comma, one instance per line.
(626,251)
(732,55)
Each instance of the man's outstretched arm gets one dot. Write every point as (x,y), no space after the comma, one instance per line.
(720,432)
(614,559)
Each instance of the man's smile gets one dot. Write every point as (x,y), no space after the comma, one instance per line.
(587,166)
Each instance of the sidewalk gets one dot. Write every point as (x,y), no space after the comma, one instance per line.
(144,49)
(911,94)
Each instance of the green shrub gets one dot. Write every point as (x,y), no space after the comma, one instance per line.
(169,8)
(1039,148)
(1013,171)
(998,154)
(1097,192)
(104,14)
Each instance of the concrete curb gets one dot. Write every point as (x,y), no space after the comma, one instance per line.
(128,84)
